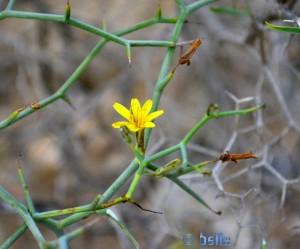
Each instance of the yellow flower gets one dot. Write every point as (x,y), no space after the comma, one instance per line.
(138,117)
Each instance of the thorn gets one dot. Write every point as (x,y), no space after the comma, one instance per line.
(128,52)
(68,101)
(104,26)
(18,164)
(159,11)
(67,11)
(129,61)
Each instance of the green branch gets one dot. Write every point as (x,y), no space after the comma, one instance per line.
(196,128)
(61,92)
(17,234)
(286,29)
(199,4)
(10,4)
(23,212)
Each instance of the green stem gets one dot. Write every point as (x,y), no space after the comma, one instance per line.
(82,67)
(61,212)
(17,234)
(138,175)
(84,26)
(162,153)
(173,178)
(23,212)
(26,191)
(53,225)
(199,4)
(203,121)
(60,94)
(61,91)
(180,3)
(165,68)
(76,210)
(139,43)
(31,15)
(10,4)
(196,128)
(187,189)
(145,24)
(63,240)
(135,181)
(188,169)
(73,219)
(184,154)
(126,174)
(184,11)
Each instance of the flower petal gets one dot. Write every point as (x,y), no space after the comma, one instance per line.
(135,101)
(154,115)
(132,127)
(147,107)
(149,125)
(122,110)
(119,124)
(135,107)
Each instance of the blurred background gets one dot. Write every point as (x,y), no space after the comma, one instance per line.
(69,156)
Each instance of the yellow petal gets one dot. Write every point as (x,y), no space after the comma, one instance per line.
(135,101)
(119,124)
(132,127)
(154,115)
(147,107)
(135,106)
(122,110)
(149,125)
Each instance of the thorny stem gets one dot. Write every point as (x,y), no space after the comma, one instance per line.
(196,128)
(61,92)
